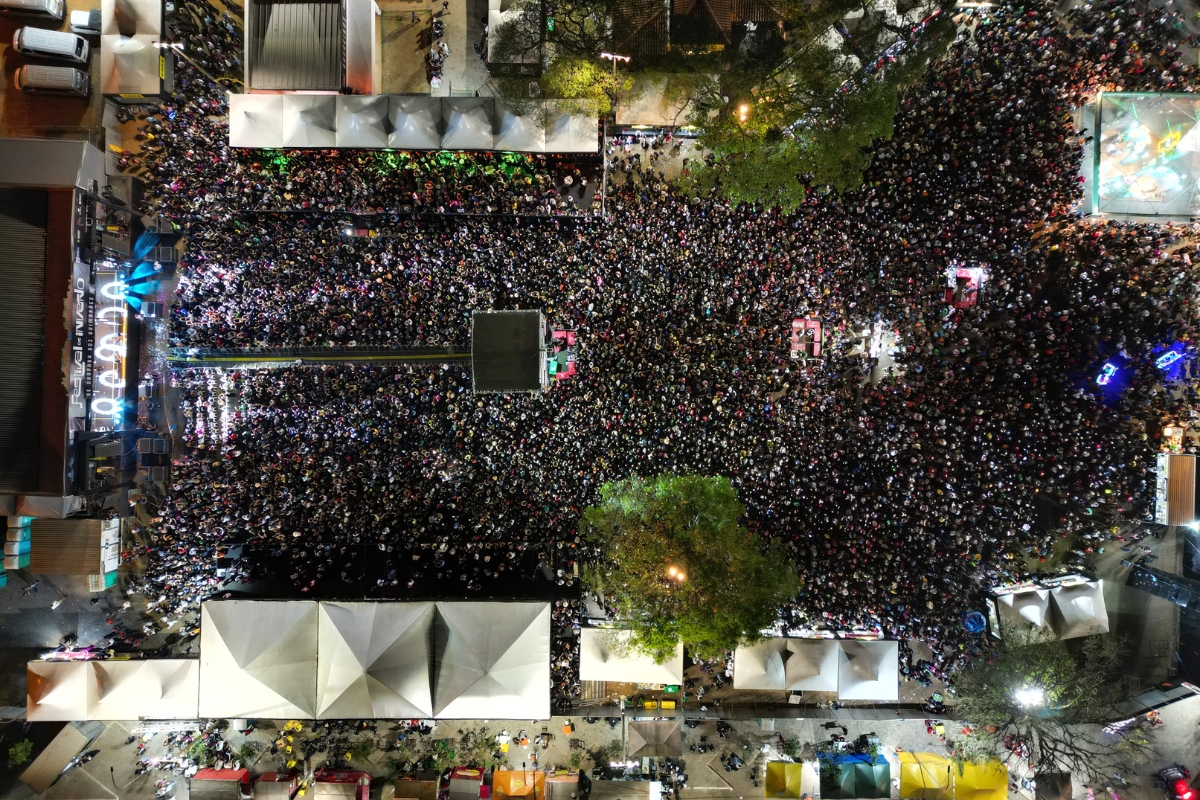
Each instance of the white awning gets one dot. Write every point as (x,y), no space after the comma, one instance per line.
(130,17)
(374,661)
(258,659)
(256,120)
(869,670)
(129,64)
(1079,610)
(493,661)
(167,688)
(309,120)
(56,691)
(362,121)
(415,123)
(604,655)
(468,123)
(788,664)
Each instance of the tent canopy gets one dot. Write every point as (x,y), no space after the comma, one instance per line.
(660,738)
(924,776)
(787,664)
(414,123)
(783,779)
(856,779)
(129,64)
(167,688)
(258,659)
(981,782)
(869,670)
(255,120)
(519,783)
(493,661)
(309,120)
(570,133)
(363,121)
(374,660)
(1078,610)
(56,691)
(1029,608)
(468,124)
(520,132)
(604,655)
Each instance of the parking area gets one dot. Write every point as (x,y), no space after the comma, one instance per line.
(43,115)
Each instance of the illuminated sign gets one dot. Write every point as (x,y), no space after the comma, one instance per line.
(79,370)
(107,404)
(1167,359)
(1106,374)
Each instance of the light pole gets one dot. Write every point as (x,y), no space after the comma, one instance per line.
(614,58)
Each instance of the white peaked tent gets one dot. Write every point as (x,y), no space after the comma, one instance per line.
(309,120)
(869,670)
(415,123)
(130,17)
(570,133)
(493,661)
(256,120)
(56,691)
(362,121)
(129,64)
(468,123)
(1024,608)
(374,661)
(787,664)
(1079,610)
(167,688)
(258,659)
(604,655)
(522,133)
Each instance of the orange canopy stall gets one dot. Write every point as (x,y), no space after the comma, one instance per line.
(518,783)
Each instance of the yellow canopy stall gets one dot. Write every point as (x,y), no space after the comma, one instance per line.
(518,783)
(783,779)
(981,782)
(924,776)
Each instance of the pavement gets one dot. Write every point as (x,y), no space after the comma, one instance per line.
(403,43)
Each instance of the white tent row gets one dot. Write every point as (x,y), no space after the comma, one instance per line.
(1065,611)
(165,688)
(406,122)
(604,655)
(856,670)
(328,660)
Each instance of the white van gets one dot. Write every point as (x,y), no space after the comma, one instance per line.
(53,9)
(52,80)
(50,44)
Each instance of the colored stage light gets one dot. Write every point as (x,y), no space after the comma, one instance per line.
(1106,374)
(1167,359)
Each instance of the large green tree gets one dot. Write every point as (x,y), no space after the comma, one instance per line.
(1053,697)
(679,564)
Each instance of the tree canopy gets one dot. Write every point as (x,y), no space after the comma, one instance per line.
(1051,697)
(680,565)
(788,106)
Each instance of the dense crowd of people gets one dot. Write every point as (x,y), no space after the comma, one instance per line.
(903,490)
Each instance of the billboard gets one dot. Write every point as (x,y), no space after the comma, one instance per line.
(106,402)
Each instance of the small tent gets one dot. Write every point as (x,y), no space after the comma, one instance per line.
(56,691)
(414,123)
(869,670)
(166,688)
(604,655)
(468,123)
(309,120)
(518,783)
(258,658)
(657,739)
(1078,610)
(493,661)
(520,131)
(363,121)
(129,64)
(374,660)
(571,133)
(255,120)
(924,776)
(981,782)
(788,664)
(856,778)
(1025,608)
(782,779)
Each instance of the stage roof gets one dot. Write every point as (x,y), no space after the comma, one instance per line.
(508,351)
(1146,160)
(604,655)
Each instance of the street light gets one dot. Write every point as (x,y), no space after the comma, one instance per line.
(676,574)
(743,112)
(1030,696)
(614,58)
